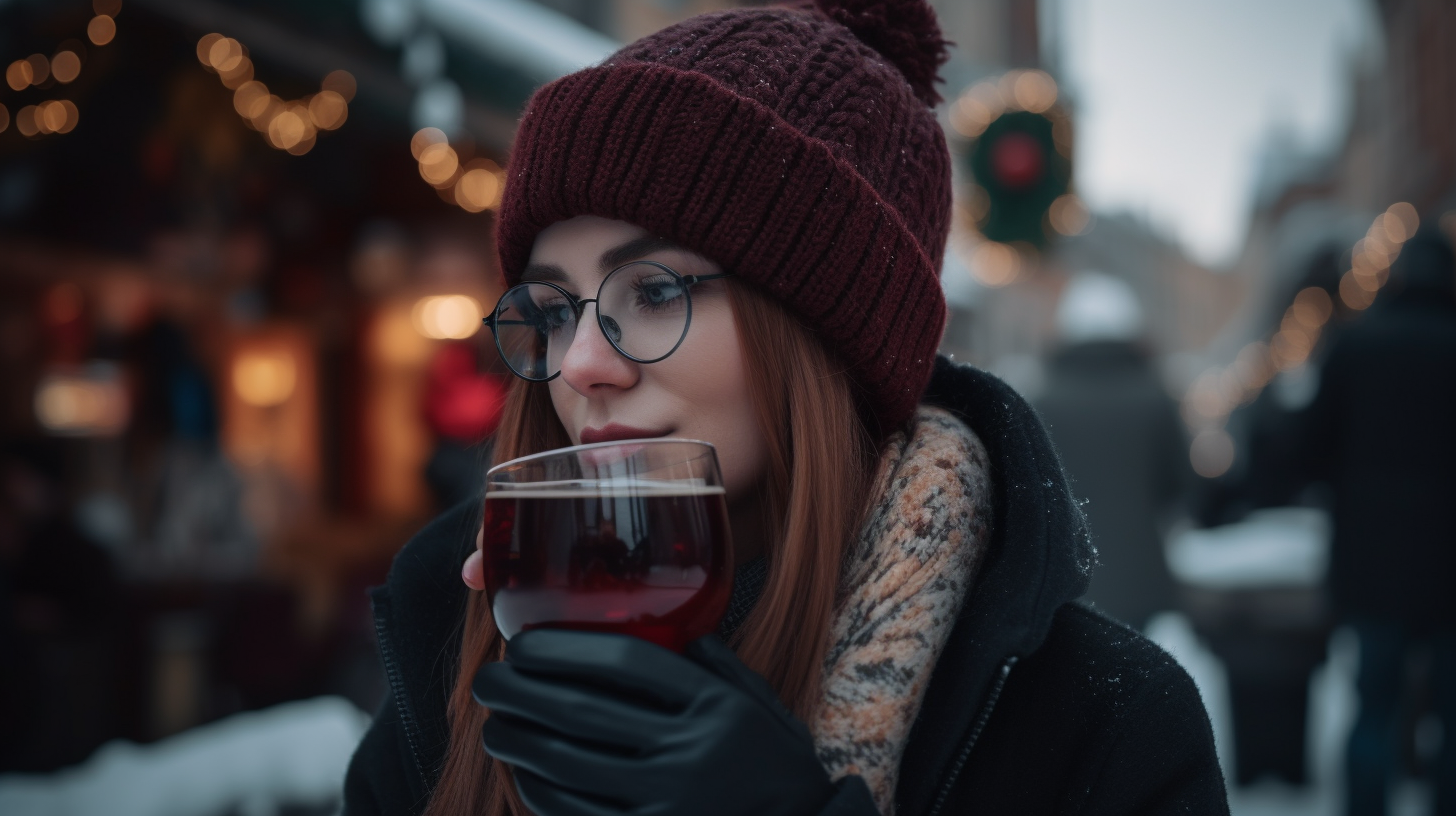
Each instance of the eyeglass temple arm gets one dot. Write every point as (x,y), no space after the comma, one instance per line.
(691,280)
(694,280)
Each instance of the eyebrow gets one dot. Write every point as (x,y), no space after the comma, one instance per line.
(633,250)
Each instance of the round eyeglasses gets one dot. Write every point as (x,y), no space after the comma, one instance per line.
(644,310)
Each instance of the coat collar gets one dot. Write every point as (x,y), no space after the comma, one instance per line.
(1040,558)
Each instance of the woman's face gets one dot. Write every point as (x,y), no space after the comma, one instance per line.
(699,392)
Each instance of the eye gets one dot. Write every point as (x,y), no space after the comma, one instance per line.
(658,292)
(553,315)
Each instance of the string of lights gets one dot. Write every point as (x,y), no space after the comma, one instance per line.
(63,67)
(291,125)
(1215,394)
(474,185)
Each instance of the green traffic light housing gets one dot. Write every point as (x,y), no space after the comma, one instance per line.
(1016,161)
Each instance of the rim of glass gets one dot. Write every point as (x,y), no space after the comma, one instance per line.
(656,440)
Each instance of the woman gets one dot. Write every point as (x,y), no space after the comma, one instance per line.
(901,637)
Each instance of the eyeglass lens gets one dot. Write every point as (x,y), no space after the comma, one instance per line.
(643,311)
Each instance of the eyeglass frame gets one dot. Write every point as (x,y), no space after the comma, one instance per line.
(579,306)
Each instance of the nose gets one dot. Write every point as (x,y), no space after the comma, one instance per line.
(592,364)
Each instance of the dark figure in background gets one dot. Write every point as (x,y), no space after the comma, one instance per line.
(59,608)
(1120,440)
(1381,432)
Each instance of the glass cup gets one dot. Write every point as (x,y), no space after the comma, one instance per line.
(628,537)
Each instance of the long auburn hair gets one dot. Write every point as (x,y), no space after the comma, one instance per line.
(820,461)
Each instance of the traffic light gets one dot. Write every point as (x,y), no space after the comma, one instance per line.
(1016,161)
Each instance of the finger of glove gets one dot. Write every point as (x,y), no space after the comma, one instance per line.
(546,799)
(622,662)
(713,654)
(565,763)
(568,708)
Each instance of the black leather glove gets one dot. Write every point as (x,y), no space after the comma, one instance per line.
(598,724)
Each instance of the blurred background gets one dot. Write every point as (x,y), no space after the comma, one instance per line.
(245,248)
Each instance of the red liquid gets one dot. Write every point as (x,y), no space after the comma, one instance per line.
(653,565)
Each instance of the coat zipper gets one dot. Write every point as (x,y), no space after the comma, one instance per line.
(396,685)
(980,725)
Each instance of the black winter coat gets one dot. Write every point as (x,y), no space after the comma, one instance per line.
(1038,705)
(1382,433)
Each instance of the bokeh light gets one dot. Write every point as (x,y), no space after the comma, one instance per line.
(264,378)
(1069,216)
(92,402)
(66,66)
(447,317)
(101,30)
(994,264)
(479,188)
(18,75)
(40,68)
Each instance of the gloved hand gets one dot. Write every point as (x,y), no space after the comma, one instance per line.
(598,724)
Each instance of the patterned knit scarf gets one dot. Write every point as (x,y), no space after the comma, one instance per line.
(916,558)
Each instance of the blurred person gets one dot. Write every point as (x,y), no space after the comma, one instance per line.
(1121,443)
(60,606)
(1381,432)
(906,549)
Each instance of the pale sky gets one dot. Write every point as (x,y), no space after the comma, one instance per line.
(1174,97)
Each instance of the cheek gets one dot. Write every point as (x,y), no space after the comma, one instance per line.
(710,376)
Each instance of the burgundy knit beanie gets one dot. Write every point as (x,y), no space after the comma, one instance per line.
(796,147)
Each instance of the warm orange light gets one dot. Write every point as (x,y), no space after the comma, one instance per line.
(995,264)
(1405,213)
(271,108)
(250,99)
(447,317)
(225,54)
(423,138)
(204,48)
(438,164)
(1035,91)
(4,118)
(101,30)
(478,189)
(51,116)
(1353,291)
(25,122)
(1312,306)
(18,75)
(342,83)
(970,116)
(239,74)
(328,109)
(65,66)
(40,68)
(88,402)
(286,129)
(264,378)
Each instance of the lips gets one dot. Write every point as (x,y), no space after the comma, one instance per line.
(617,433)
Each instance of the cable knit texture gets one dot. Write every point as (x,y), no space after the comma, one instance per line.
(783,147)
(917,557)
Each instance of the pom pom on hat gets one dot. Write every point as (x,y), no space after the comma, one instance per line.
(905,32)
